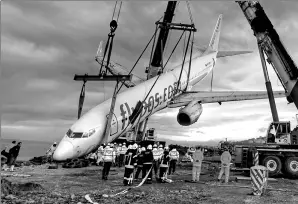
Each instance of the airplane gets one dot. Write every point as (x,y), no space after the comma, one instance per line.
(155,94)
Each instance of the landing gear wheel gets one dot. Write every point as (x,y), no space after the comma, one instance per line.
(273,164)
(291,167)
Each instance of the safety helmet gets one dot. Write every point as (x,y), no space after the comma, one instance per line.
(174,149)
(135,146)
(155,145)
(115,143)
(149,147)
(112,145)
(124,143)
(160,146)
(139,146)
(120,145)
(55,142)
(129,146)
(143,149)
(166,148)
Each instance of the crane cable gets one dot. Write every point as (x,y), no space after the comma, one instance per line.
(189,11)
(118,10)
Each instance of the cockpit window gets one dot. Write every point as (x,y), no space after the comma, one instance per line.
(76,135)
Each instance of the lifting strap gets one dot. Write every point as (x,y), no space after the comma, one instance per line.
(81,101)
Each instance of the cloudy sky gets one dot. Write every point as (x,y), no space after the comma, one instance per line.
(43,44)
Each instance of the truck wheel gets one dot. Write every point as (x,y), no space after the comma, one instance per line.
(273,164)
(291,166)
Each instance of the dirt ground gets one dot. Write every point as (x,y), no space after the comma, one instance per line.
(71,185)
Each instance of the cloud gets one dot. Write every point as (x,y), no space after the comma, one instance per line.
(44,44)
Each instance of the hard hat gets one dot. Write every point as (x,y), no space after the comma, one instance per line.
(166,147)
(149,147)
(115,143)
(112,145)
(120,145)
(135,146)
(139,145)
(143,149)
(55,142)
(155,145)
(124,143)
(160,146)
(129,146)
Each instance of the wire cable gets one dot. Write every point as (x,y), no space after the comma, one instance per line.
(138,60)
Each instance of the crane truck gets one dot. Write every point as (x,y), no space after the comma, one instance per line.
(280,152)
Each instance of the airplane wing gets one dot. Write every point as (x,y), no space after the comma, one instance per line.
(220,96)
(230,53)
(118,69)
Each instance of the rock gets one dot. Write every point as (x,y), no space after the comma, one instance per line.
(10,197)
(72,196)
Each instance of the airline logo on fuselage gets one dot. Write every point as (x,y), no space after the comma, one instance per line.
(153,102)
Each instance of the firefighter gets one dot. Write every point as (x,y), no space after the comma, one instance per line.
(164,164)
(140,160)
(129,165)
(196,160)
(108,159)
(156,159)
(174,156)
(147,164)
(122,153)
(225,165)
(99,155)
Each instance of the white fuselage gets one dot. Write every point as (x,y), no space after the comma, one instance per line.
(161,93)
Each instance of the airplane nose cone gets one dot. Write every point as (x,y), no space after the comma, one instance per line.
(64,151)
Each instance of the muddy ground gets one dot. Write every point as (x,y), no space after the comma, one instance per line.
(71,185)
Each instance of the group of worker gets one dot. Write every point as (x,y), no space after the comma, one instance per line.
(197,159)
(11,152)
(140,159)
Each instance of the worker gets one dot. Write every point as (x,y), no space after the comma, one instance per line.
(13,154)
(92,157)
(225,165)
(122,153)
(118,153)
(129,165)
(147,164)
(140,161)
(99,155)
(196,160)
(5,153)
(174,156)
(156,159)
(271,135)
(115,148)
(164,165)
(108,158)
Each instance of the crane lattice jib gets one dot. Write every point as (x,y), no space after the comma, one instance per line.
(274,49)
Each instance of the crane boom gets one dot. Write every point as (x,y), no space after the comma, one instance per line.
(276,53)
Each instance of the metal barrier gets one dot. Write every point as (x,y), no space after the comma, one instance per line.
(259,179)
(256,158)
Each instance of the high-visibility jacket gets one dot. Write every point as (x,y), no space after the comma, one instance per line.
(197,158)
(156,154)
(174,154)
(123,150)
(51,151)
(161,151)
(109,155)
(226,158)
(118,151)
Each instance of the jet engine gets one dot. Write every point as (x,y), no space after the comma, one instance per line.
(190,113)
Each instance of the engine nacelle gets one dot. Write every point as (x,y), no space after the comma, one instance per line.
(190,113)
